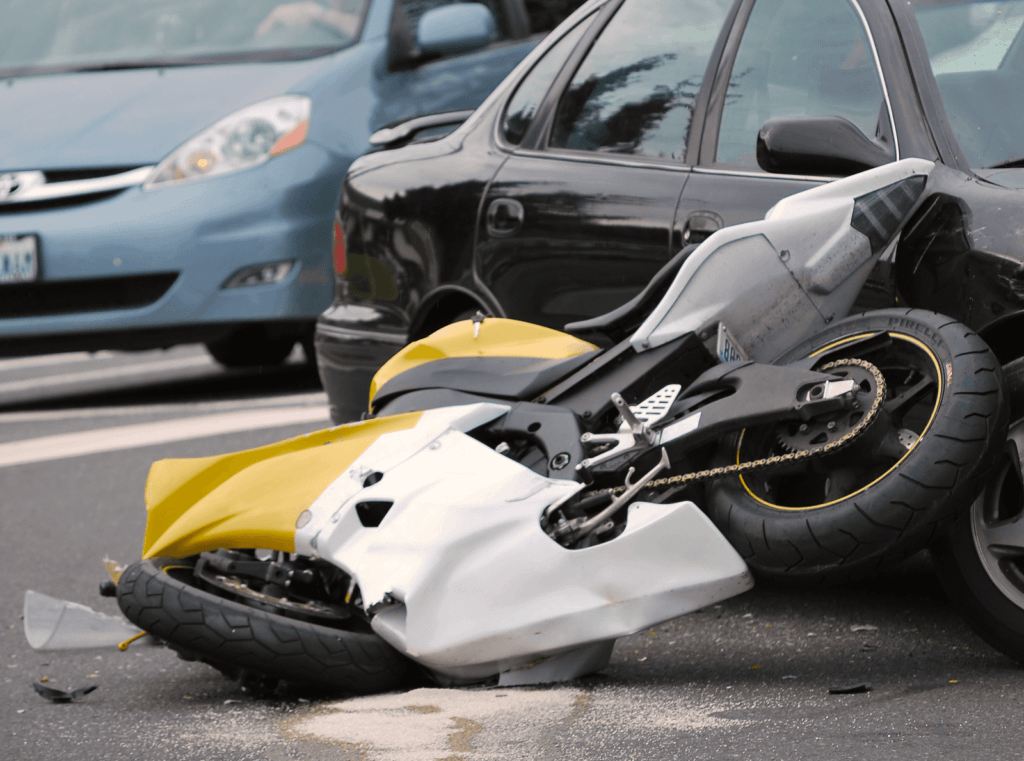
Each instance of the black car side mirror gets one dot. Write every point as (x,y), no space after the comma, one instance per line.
(822,145)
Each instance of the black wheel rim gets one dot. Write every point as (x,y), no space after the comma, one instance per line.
(914,387)
(997,521)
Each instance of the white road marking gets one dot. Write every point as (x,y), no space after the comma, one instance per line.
(52,359)
(145,368)
(65,445)
(311,398)
(501,723)
(434,723)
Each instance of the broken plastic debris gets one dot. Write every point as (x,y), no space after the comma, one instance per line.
(61,696)
(851,689)
(52,624)
(863,628)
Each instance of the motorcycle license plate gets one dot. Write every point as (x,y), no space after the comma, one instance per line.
(19,258)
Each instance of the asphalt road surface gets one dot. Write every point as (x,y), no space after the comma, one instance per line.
(747,679)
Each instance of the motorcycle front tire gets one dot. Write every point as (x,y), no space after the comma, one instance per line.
(980,560)
(159,596)
(844,517)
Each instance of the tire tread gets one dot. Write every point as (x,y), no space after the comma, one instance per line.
(224,632)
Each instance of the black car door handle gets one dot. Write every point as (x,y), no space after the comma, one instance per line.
(700,225)
(504,217)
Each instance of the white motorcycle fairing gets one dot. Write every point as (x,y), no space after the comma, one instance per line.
(775,282)
(460,576)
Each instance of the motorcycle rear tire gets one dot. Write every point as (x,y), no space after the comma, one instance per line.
(895,505)
(232,636)
(986,584)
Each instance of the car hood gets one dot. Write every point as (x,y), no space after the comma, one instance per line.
(1009,178)
(129,118)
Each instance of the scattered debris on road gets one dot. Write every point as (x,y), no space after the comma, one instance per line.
(61,696)
(852,689)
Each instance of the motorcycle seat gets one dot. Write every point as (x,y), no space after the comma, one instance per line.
(622,321)
(505,378)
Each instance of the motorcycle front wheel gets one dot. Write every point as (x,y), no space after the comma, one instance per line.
(887,494)
(980,560)
(244,637)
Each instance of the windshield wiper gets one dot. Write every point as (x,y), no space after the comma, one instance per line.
(1011,164)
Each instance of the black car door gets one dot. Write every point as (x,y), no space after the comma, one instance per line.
(580,215)
(790,59)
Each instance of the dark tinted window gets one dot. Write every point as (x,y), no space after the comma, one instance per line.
(799,58)
(545,15)
(522,106)
(634,91)
(975,50)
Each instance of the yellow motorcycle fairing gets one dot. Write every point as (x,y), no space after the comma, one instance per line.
(252,498)
(496,337)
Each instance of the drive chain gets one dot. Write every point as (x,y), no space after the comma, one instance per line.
(746,467)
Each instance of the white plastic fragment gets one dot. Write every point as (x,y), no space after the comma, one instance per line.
(52,624)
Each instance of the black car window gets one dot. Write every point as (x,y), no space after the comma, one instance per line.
(531,90)
(798,58)
(975,51)
(545,15)
(634,91)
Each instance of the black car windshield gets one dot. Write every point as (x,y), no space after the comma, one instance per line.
(45,36)
(976,50)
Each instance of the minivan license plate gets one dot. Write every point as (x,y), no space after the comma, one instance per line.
(19,258)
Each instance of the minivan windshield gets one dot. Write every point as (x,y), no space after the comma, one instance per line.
(48,36)
(977,56)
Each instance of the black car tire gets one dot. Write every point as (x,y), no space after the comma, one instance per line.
(251,347)
(232,636)
(986,584)
(847,515)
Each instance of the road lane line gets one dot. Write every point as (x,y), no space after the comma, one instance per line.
(52,359)
(109,372)
(64,445)
(77,413)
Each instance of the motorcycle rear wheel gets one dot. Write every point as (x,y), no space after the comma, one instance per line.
(980,560)
(887,494)
(160,596)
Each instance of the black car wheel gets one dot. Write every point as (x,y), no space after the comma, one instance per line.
(980,561)
(251,347)
(884,496)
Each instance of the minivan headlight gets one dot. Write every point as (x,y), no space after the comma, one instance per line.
(246,138)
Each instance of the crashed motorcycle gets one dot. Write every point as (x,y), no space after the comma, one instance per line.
(519,497)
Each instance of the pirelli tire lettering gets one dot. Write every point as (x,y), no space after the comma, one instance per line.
(885,496)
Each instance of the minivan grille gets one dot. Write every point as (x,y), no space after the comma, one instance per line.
(94,295)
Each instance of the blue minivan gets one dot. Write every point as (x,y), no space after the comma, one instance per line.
(170,170)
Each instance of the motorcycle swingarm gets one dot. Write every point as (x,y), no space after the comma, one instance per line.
(744,394)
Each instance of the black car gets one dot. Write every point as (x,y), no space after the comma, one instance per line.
(639,126)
